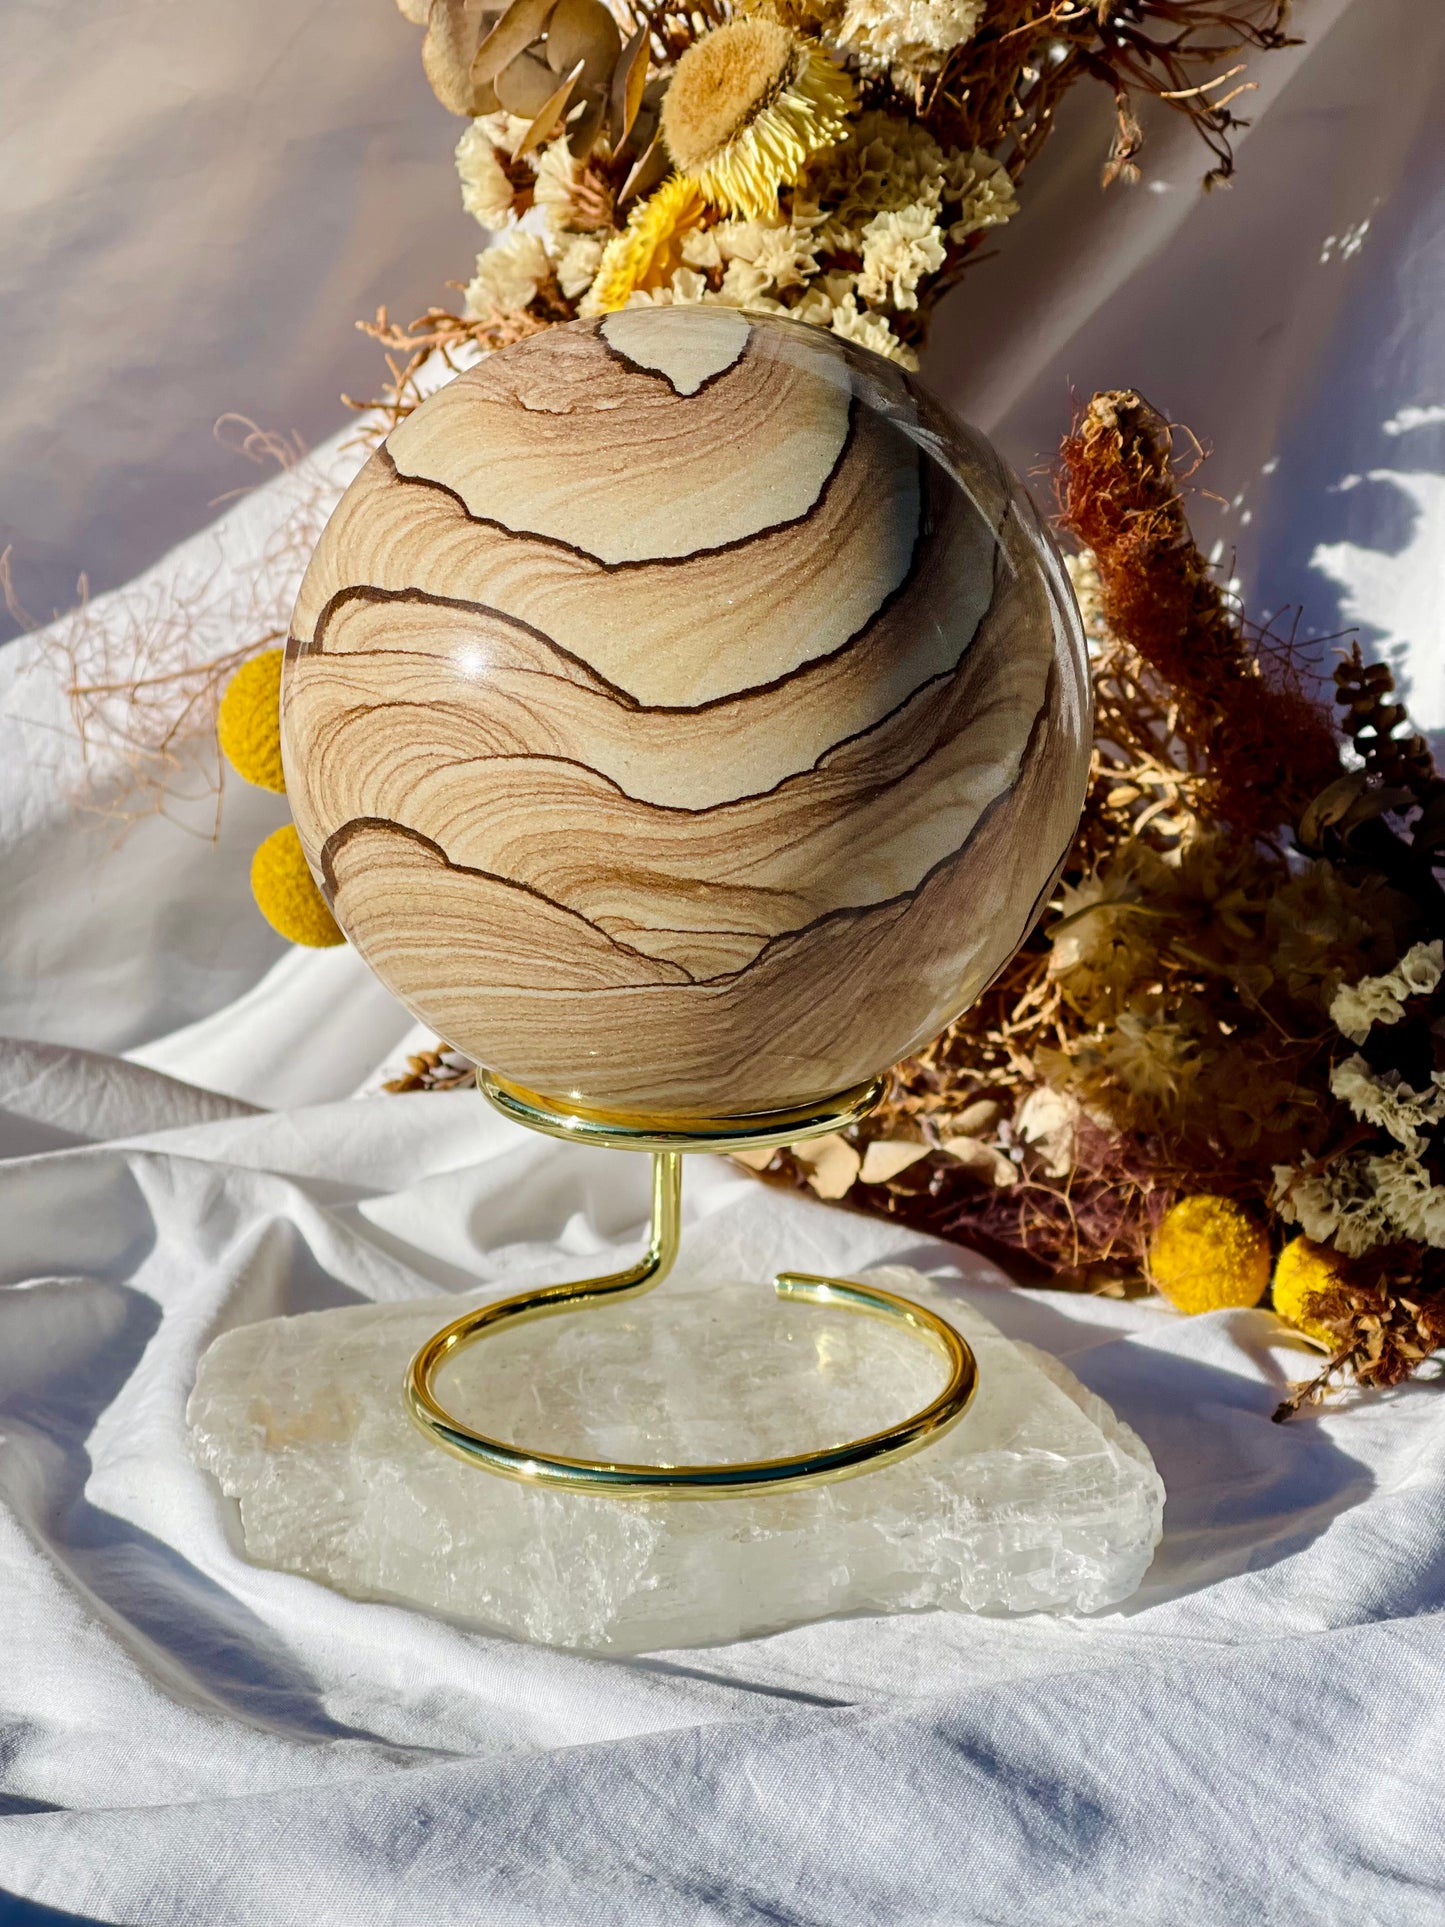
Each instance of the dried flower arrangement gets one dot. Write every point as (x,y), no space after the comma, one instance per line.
(1230,1020)
(839,161)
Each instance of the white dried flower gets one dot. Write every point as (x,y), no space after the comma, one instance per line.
(870,330)
(781,251)
(909,33)
(898,247)
(1414,1205)
(508,275)
(743,284)
(823,296)
(555,195)
(887,162)
(700,248)
(1420,969)
(685,287)
(980,189)
(1336,1204)
(1387,1101)
(577,264)
(1356,1008)
(504,131)
(486,192)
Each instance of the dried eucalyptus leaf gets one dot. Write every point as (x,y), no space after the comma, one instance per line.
(583,30)
(519,26)
(454,29)
(1331,805)
(527,88)
(648,171)
(976,1118)
(1374,803)
(629,78)
(549,114)
(585,125)
(416,11)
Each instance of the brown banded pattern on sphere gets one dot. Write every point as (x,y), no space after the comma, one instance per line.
(683,716)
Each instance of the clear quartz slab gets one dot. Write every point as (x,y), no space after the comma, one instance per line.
(1040,1499)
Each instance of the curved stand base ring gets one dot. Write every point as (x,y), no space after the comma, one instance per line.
(622,1480)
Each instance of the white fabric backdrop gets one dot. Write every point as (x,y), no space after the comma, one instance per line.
(182,1737)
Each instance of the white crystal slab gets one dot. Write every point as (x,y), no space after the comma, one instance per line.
(1040,1499)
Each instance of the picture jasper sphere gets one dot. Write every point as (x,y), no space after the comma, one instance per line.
(683,715)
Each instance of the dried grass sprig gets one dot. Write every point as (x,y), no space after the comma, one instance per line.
(142,676)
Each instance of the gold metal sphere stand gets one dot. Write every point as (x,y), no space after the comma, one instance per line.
(667,1140)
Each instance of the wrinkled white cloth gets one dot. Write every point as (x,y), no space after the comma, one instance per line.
(184,1738)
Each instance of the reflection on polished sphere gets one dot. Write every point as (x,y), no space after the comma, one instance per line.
(683,716)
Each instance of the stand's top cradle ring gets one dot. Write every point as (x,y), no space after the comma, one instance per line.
(618,1479)
(619,1133)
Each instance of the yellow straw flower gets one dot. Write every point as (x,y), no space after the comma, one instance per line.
(1209,1255)
(286,895)
(649,249)
(748,106)
(248,722)
(1303,1269)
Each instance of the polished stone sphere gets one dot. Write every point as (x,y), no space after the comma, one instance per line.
(683,715)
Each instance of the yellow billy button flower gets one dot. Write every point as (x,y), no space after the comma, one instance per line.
(1209,1255)
(248,723)
(1303,1269)
(286,895)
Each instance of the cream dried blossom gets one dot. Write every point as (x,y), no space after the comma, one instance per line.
(889,164)
(899,248)
(503,130)
(823,296)
(508,275)
(555,194)
(487,193)
(783,252)
(911,34)
(577,263)
(1338,1205)
(1411,1202)
(1356,1008)
(870,330)
(1420,969)
(1385,1100)
(701,249)
(686,286)
(979,191)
